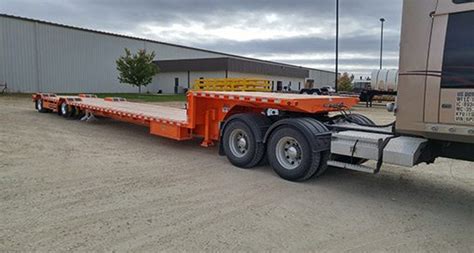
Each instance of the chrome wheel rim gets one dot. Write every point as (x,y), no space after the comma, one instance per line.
(239,143)
(63,108)
(39,105)
(289,153)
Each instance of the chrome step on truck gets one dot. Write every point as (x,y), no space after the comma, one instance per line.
(382,148)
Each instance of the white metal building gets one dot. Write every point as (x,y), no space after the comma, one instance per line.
(42,56)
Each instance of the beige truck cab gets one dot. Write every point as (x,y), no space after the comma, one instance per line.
(435,100)
(436,88)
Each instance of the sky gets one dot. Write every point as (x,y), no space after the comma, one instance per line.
(299,32)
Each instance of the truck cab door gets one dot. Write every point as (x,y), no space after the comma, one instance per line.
(450,76)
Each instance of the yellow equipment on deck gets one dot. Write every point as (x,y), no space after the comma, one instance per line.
(233,84)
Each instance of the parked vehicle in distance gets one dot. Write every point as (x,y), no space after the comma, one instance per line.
(328,89)
(314,91)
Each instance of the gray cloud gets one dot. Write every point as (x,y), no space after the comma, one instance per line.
(302,27)
(305,45)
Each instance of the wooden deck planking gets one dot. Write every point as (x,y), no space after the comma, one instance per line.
(147,110)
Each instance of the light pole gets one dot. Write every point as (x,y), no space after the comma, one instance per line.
(337,44)
(382,20)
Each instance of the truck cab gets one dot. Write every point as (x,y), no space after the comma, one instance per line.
(436,82)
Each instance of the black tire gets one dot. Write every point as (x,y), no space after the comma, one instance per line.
(360,119)
(65,110)
(39,106)
(357,119)
(323,166)
(303,165)
(240,143)
(316,91)
(304,91)
(78,113)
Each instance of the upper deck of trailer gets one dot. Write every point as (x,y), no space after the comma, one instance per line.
(152,112)
(284,101)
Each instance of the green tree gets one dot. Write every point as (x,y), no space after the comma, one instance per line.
(344,83)
(137,69)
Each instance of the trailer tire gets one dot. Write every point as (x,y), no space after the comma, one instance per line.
(242,142)
(39,106)
(65,110)
(78,113)
(357,119)
(290,155)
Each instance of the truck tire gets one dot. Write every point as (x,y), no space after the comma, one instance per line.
(360,119)
(242,139)
(39,106)
(65,110)
(291,152)
(357,119)
(325,156)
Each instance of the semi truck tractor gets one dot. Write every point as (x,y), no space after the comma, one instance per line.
(299,135)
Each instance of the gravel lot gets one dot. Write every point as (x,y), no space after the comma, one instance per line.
(104,186)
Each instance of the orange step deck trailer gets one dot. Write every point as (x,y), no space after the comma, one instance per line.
(244,123)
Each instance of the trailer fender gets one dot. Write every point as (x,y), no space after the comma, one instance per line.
(318,135)
(258,122)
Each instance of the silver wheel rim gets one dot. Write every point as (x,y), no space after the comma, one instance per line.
(64,108)
(288,153)
(39,105)
(239,143)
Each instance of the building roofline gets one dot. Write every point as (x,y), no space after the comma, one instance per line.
(154,41)
(231,64)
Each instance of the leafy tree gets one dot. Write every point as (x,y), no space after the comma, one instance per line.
(344,83)
(137,69)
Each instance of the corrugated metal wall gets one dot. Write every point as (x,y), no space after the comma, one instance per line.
(19,61)
(49,58)
(38,56)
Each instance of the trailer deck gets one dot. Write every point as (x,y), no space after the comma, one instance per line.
(206,110)
(137,110)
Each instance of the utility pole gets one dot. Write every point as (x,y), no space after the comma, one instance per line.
(382,20)
(337,44)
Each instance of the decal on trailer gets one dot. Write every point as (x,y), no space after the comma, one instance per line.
(465,107)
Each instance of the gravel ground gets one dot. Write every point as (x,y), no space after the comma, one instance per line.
(110,186)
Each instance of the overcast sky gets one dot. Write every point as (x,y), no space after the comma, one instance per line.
(299,32)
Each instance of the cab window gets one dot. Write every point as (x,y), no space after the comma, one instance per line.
(463,1)
(458,60)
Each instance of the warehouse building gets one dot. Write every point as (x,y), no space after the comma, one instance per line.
(183,73)
(48,57)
